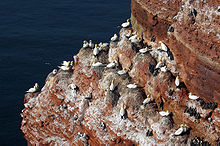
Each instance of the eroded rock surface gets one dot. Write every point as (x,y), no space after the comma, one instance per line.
(91,114)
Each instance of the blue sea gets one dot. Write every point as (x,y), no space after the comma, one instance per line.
(35,37)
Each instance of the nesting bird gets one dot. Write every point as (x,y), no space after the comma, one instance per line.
(114,38)
(163,46)
(193,97)
(122,72)
(54,71)
(91,45)
(72,86)
(144,50)
(123,111)
(164,114)
(177,81)
(181,130)
(85,44)
(111,65)
(132,86)
(112,86)
(34,89)
(126,24)
(163,69)
(97,64)
(159,64)
(65,67)
(96,50)
(147,100)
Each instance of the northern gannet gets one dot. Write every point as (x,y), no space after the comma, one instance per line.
(181,130)
(163,46)
(126,24)
(111,65)
(164,114)
(34,89)
(132,86)
(163,69)
(114,38)
(136,40)
(97,64)
(112,86)
(91,45)
(65,63)
(144,50)
(177,81)
(122,72)
(96,50)
(134,36)
(65,68)
(72,86)
(147,100)
(85,44)
(159,64)
(54,71)
(193,97)
(122,111)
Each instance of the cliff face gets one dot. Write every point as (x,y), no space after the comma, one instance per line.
(190,28)
(58,115)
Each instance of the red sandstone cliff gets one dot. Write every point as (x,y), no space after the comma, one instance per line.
(57,116)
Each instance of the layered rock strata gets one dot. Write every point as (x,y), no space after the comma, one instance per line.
(58,115)
(190,28)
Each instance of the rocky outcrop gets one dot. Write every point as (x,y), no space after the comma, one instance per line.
(91,113)
(190,28)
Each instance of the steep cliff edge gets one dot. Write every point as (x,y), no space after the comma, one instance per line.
(91,114)
(190,28)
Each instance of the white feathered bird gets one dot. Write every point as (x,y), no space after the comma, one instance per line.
(112,86)
(34,89)
(126,24)
(193,97)
(177,81)
(164,114)
(122,111)
(114,38)
(96,50)
(163,46)
(132,86)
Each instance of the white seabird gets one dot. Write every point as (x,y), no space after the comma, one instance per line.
(71,63)
(136,40)
(180,130)
(159,64)
(96,50)
(134,36)
(98,64)
(72,86)
(54,71)
(126,24)
(193,97)
(65,68)
(91,45)
(122,111)
(65,63)
(177,81)
(111,65)
(163,46)
(132,86)
(34,89)
(112,86)
(163,69)
(122,72)
(85,44)
(147,100)
(114,38)
(144,50)
(164,114)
